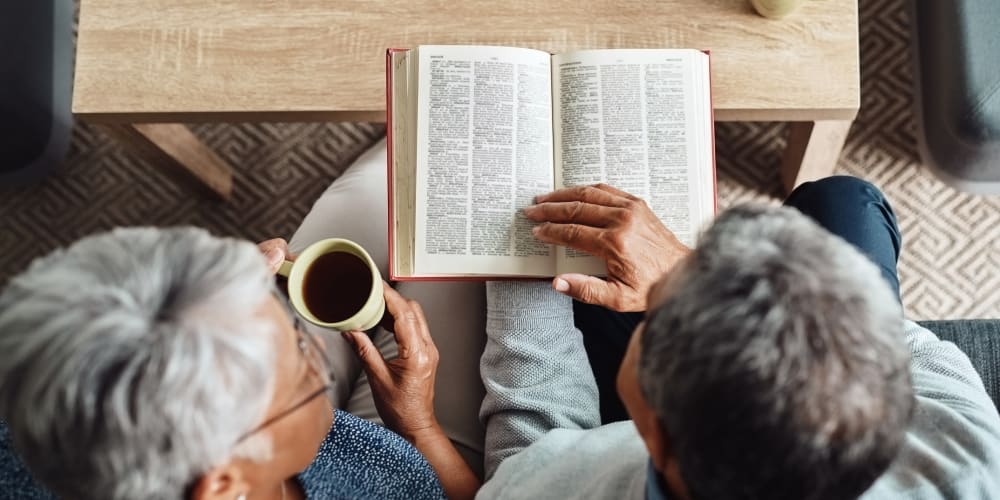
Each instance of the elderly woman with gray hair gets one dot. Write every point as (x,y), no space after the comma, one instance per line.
(163,363)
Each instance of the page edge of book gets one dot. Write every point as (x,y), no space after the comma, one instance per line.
(390,195)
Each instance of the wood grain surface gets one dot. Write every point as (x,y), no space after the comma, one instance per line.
(294,60)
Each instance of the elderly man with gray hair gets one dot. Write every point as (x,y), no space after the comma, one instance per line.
(772,361)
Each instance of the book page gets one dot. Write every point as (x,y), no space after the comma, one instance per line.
(638,120)
(484,150)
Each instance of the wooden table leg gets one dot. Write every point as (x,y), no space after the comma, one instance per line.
(176,147)
(813,150)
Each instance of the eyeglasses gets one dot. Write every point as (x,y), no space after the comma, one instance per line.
(312,352)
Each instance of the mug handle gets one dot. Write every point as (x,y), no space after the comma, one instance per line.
(286,268)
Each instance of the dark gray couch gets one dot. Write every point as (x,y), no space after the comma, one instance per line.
(36,74)
(980,340)
(956,45)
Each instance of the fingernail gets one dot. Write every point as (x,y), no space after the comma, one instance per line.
(528,208)
(273,257)
(536,229)
(347,336)
(561,285)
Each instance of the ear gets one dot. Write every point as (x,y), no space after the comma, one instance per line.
(225,482)
(656,438)
(661,452)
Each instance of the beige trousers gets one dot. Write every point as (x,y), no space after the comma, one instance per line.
(355,207)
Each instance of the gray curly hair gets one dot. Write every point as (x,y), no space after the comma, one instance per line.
(777,362)
(130,363)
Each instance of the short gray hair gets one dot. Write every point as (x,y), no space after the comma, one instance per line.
(777,362)
(130,363)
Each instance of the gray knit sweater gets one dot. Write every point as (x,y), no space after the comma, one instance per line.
(544,438)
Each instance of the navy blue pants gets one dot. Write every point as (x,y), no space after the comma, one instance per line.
(846,206)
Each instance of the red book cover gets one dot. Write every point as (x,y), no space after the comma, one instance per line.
(388,145)
(711,110)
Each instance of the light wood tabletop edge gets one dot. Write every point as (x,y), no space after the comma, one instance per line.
(378,116)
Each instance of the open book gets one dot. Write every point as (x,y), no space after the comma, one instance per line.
(475,133)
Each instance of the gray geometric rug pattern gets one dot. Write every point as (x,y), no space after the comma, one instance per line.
(950,262)
(950,266)
(280,170)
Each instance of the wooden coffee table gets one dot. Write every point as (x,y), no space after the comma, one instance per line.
(142,68)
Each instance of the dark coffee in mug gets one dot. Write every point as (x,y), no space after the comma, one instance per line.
(336,286)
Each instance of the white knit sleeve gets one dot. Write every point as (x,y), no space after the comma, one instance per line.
(534,368)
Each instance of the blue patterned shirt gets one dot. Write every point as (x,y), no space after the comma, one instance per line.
(357,460)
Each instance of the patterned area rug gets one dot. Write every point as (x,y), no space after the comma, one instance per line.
(951,255)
